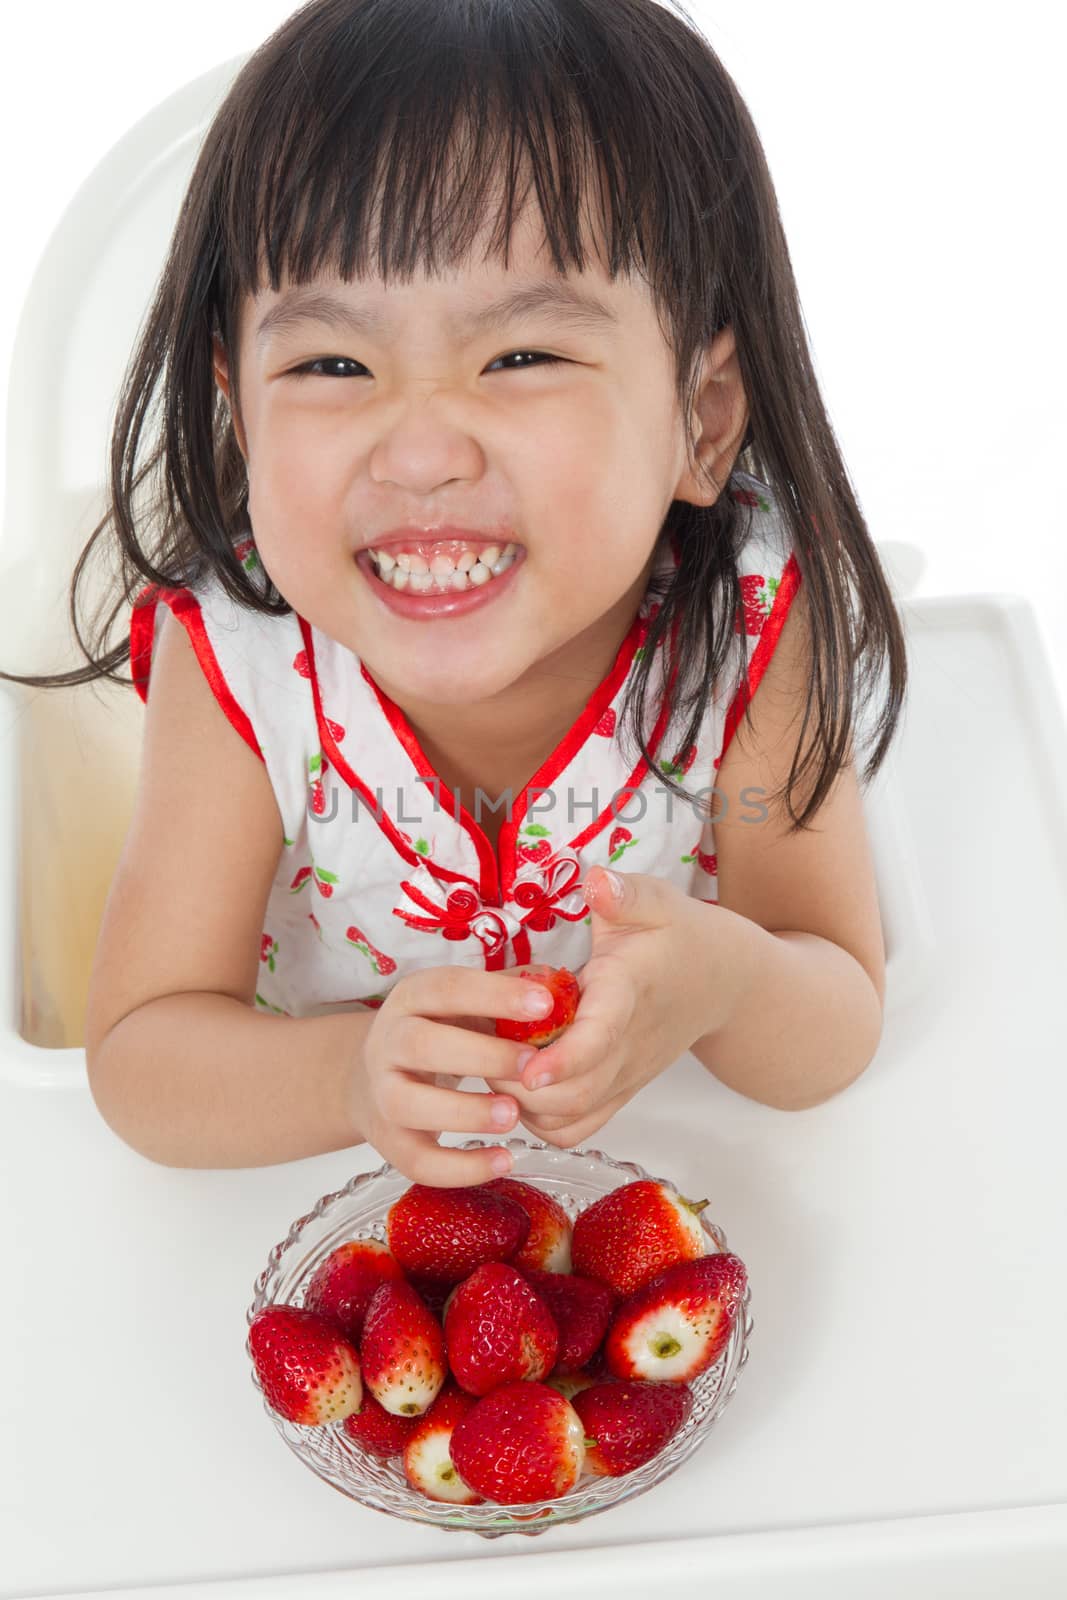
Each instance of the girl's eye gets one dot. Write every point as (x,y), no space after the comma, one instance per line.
(323,362)
(527,355)
(327,361)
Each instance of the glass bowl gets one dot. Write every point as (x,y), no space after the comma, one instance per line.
(573,1177)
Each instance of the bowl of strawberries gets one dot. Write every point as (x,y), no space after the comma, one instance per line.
(503,1357)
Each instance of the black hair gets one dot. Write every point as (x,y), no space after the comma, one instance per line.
(329,145)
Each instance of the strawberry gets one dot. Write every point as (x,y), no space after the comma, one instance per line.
(621,840)
(568,1384)
(746,497)
(523,1442)
(384,965)
(378,1431)
(445,1233)
(677,1325)
(537,853)
(629,1235)
(301,665)
(402,1352)
(563,987)
(707,863)
(548,1243)
(680,764)
(428,1465)
(757,599)
(581,1308)
(435,1294)
(309,1372)
(629,1422)
(341,1287)
(498,1330)
(606,725)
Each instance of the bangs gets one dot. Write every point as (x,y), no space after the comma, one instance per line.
(399,133)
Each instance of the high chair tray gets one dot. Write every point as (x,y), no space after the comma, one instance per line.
(901,1426)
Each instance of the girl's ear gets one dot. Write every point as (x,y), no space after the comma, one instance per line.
(719,422)
(221,364)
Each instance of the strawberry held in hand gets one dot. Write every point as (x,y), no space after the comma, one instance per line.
(308,1370)
(498,1329)
(634,1232)
(523,1442)
(563,987)
(677,1326)
(443,1234)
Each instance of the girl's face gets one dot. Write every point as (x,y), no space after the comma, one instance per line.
(423,422)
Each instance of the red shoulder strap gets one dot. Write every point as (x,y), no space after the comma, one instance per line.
(186,608)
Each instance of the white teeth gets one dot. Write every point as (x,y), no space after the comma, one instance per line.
(441,575)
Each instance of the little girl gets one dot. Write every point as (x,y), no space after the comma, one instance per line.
(490,477)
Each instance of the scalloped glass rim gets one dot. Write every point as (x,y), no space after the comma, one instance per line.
(358,1211)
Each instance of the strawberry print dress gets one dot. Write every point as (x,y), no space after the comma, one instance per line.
(381,873)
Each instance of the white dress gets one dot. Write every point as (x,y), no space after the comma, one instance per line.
(379,874)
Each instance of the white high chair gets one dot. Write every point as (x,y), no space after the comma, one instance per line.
(944,1157)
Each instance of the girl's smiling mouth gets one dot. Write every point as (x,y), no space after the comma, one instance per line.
(422,590)
(441,570)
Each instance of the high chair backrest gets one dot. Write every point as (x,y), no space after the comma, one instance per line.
(77,749)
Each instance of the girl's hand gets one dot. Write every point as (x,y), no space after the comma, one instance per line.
(651,987)
(431,1027)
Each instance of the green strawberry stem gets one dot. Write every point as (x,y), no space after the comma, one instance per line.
(695,1206)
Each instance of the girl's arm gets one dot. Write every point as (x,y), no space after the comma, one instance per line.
(807,1003)
(179,1064)
(806,1017)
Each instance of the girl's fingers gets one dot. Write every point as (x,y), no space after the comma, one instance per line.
(421,1044)
(463,994)
(606,1010)
(412,1103)
(419,1157)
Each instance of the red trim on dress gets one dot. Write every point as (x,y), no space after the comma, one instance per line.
(759,660)
(489,886)
(642,768)
(573,741)
(341,766)
(443,796)
(186,608)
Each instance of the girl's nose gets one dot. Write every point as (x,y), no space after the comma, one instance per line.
(422,452)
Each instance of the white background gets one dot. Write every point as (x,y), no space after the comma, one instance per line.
(917,151)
